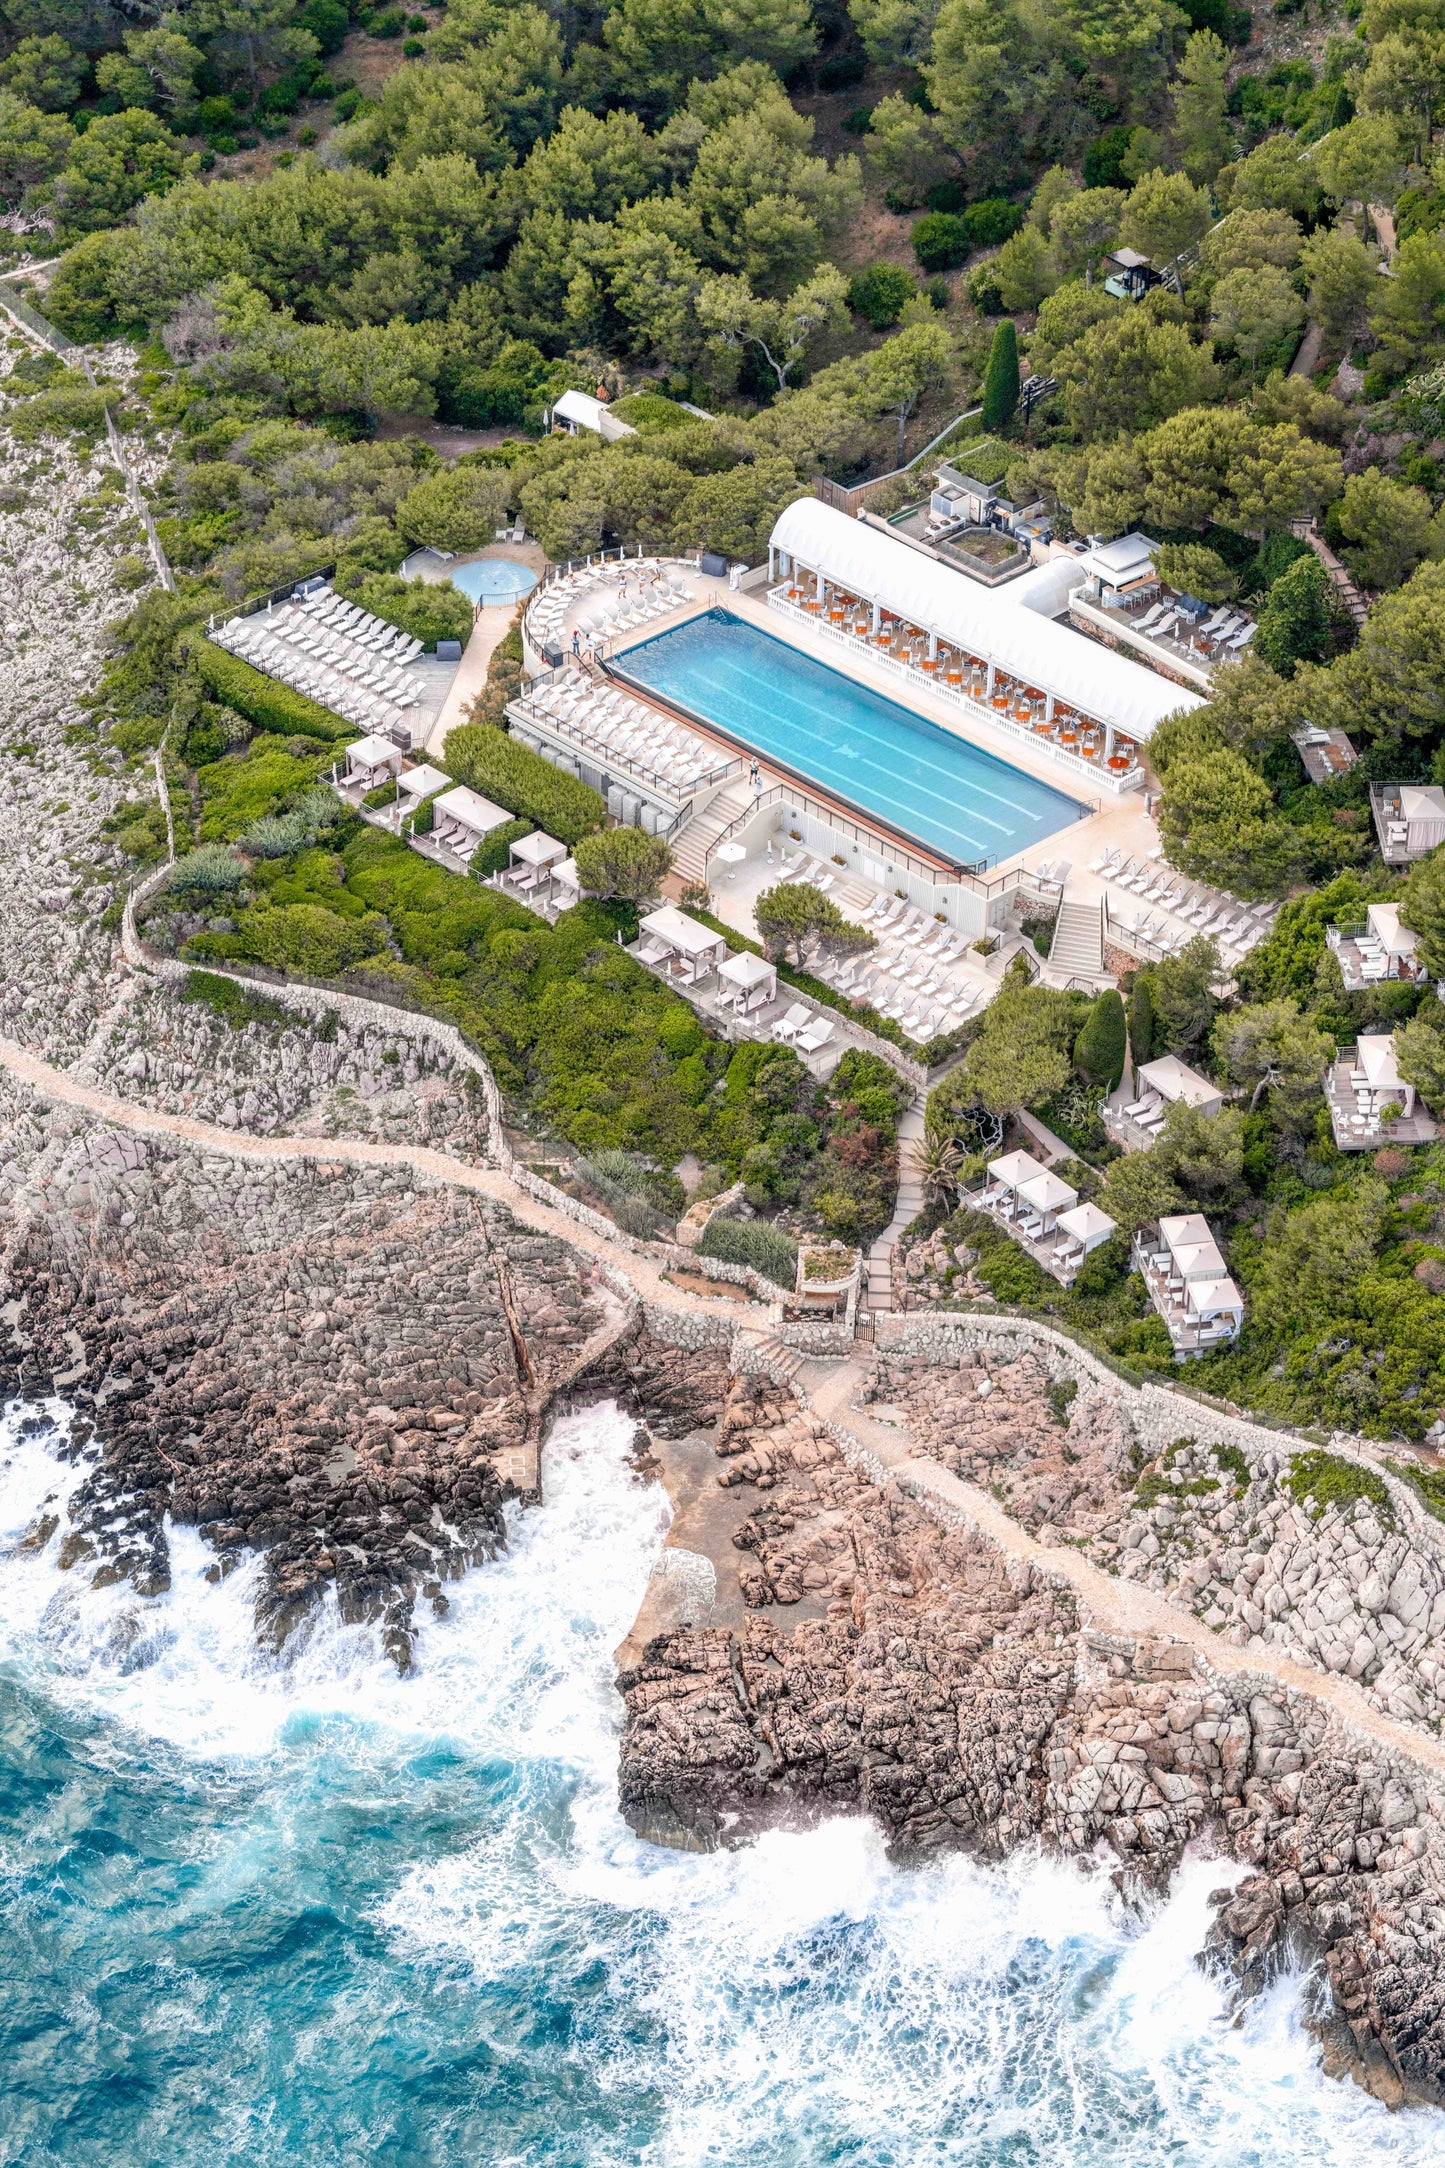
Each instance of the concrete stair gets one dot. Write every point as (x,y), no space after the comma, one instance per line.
(691,846)
(907,1209)
(783,1362)
(1077,949)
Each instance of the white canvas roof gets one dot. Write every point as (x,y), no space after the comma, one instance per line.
(1377,1059)
(681,932)
(745,969)
(1385,925)
(1127,559)
(1011,1168)
(1422,802)
(1021,640)
(566,870)
(1047,1192)
(1087,1224)
(1207,1298)
(471,810)
(421,782)
(1173,1079)
(537,849)
(1192,1246)
(372,753)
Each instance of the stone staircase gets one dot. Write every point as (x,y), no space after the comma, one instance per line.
(783,1362)
(907,1209)
(691,846)
(1077,949)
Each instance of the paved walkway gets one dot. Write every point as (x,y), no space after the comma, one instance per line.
(643,1273)
(1112,1605)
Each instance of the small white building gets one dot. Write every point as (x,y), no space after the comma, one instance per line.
(1189,1283)
(747,983)
(679,946)
(579,410)
(460,819)
(1409,818)
(1043,1214)
(1121,571)
(1174,1081)
(371,762)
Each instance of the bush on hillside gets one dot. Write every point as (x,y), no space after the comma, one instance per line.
(489,761)
(429,610)
(270,706)
(752,1242)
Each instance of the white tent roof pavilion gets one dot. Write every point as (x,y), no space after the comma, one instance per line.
(675,930)
(1047,1192)
(1012,1168)
(995,626)
(371,753)
(537,849)
(470,811)
(1087,1225)
(1174,1079)
(421,782)
(747,970)
(1376,1056)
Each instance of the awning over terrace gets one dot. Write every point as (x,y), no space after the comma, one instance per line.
(991,624)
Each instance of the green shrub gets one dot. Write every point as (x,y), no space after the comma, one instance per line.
(236,1005)
(490,761)
(211,870)
(880,294)
(992,221)
(308,938)
(752,1242)
(650,411)
(495,851)
(940,241)
(69,410)
(383,795)
(246,788)
(429,610)
(264,702)
(1331,1481)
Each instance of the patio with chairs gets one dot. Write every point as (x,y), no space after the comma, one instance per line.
(1189,1283)
(601,597)
(1154,911)
(922,975)
(1362,1087)
(1376,948)
(336,653)
(1042,1213)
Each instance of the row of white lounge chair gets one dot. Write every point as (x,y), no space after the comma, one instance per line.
(624,728)
(1192,907)
(601,605)
(334,652)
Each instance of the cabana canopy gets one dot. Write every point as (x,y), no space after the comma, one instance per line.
(1011,1168)
(1376,1056)
(1087,1225)
(1192,1246)
(421,782)
(1213,1298)
(373,753)
(565,871)
(991,625)
(1384,922)
(470,810)
(537,849)
(1174,1080)
(747,970)
(1047,1192)
(677,931)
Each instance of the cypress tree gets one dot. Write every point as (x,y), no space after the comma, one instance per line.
(1099,1048)
(1001,379)
(1141,1020)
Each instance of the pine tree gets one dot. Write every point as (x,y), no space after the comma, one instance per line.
(1294,624)
(1001,381)
(1099,1048)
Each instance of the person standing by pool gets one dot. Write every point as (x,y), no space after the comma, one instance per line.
(755,777)
(576,641)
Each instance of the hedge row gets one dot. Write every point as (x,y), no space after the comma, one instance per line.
(262,700)
(490,761)
(495,851)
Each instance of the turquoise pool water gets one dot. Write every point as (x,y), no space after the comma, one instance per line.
(493,580)
(849,740)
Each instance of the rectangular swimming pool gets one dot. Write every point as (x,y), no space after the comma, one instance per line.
(849,740)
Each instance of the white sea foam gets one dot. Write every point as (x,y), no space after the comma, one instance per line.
(801,2001)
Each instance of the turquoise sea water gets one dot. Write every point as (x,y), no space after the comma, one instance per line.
(848,739)
(313,1914)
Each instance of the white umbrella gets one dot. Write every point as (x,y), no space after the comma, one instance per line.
(732,856)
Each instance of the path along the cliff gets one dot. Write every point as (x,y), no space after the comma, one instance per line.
(1112,1605)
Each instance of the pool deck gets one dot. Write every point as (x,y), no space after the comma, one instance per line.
(1121,823)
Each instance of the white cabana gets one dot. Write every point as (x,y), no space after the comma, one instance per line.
(1086,1225)
(461,817)
(1008,1170)
(996,626)
(748,982)
(669,932)
(1422,809)
(564,874)
(1207,1299)
(538,850)
(1193,1251)
(370,761)
(1376,1057)
(1173,1080)
(422,782)
(1046,1193)
(1384,922)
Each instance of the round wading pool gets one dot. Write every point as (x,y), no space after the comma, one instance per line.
(493,580)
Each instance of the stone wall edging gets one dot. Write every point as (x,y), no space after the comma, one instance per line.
(1156,1415)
